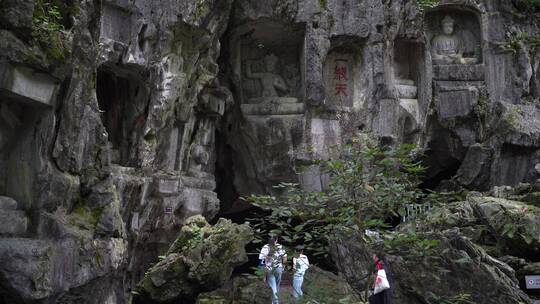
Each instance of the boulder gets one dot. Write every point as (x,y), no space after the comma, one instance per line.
(7,203)
(514,224)
(13,223)
(201,259)
(524,192)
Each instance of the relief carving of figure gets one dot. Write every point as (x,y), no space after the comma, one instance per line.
(200,150)
(447,47)
(271,81)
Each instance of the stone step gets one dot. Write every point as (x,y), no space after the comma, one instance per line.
(7,203)
(13,223)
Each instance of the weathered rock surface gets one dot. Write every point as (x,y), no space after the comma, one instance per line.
(201,259)
(121,119)
(44,270)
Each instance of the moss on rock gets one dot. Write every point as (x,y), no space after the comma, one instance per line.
(201,259)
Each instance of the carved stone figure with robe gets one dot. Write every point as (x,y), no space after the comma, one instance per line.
(447,48)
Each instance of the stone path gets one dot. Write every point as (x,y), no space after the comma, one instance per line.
(285,289)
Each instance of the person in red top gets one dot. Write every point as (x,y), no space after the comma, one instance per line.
(385,296)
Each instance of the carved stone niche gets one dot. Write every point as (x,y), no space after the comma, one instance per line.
(455,38)
(408,62)
(21,90)
(409,79)
(342,75)
(123,103)
(26,96)
(115,22)
(269,64)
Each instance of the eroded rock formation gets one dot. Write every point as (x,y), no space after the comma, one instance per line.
(120,119)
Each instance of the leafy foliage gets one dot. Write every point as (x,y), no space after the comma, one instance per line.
(48,28)
(482,111)
(368,189)
(426,4)
(520,40)
(513,224)
(410,244)
(458,299)
(530,7)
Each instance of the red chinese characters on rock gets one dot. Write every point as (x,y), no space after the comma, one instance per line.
(340,77)
(341,89)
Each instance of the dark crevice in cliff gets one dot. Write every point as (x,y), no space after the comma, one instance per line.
(438,173)
(224,174)
(442,158)
(123,103)
(63,94)
(231,205)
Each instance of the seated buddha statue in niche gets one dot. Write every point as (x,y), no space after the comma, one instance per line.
(271,82)
(447,47)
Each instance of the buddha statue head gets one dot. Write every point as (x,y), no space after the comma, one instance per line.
(270,63)
(448,25)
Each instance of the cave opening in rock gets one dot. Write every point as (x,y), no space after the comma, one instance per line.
(123,102)
(442,161)
(436,177)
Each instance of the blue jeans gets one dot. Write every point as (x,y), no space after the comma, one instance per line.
(273,278)
(298,279)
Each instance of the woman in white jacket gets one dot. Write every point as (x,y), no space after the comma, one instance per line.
(300,265)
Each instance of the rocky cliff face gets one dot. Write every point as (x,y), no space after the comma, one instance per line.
(119,119)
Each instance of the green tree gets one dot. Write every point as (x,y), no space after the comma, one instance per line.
(369,188)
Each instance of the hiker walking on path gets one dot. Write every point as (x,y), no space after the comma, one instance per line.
(273,256)
(300,265)
(383,283)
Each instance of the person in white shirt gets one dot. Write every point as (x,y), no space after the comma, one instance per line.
(272,257)
(300,265)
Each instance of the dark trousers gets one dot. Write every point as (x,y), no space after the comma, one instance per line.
(380,298)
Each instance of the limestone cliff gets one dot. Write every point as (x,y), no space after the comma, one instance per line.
(119,119)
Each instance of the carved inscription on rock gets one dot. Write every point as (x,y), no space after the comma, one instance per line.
(339,76)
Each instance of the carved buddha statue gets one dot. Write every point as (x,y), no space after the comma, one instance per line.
(274,96)
(271,81)
(447,47)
